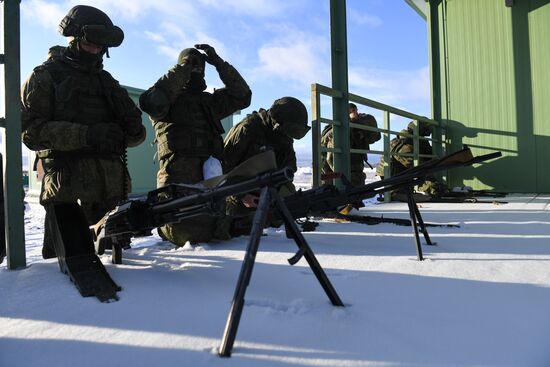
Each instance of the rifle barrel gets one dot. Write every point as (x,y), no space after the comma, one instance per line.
(275,179)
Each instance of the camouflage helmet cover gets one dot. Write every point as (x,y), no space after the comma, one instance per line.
(290,117)
(424,129)
(91,24)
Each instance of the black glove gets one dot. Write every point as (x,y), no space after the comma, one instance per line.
(211,56)
(106,138)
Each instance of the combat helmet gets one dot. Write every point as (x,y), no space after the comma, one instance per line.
(424,129)
(92,25)
(192,56)
(290,117)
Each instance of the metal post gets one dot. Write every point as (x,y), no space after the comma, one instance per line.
(339,62)
(13,200)
(316,134)
(435,68)
(387,153)
(416,143)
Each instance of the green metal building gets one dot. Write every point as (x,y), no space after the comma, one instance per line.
(142,162)
(490,86)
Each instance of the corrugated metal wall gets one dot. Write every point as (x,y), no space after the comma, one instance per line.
(495,89)
(539,30)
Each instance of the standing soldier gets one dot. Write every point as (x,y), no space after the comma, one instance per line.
(80,120)
(359,139)
(188,128)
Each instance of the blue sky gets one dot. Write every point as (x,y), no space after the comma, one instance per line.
(280,47)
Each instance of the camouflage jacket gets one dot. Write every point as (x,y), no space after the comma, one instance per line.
(253,135)
(188,123)
(359,138)
(59,101)
(404,145)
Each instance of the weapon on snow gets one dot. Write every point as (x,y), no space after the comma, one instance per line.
(175,203)
(328,198)
(369,220)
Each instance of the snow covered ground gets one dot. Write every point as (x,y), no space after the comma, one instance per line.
(479,299)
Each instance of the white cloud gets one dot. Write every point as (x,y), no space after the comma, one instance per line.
(294,56)
(260,8)
(46,13)
(391,86)
(364,19)
(49,13)
(171,38)
(155,37)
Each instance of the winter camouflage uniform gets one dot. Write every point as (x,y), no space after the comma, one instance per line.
(359,139)
(188,129)
(274,129)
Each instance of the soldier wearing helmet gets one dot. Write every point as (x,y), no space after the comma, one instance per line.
(276,129)
(359,139)
(403,144)
(80,120)
(188,128)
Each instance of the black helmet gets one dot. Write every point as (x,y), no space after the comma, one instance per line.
(290,117)
(91,24)
(424,129)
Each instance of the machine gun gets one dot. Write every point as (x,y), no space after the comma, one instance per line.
(178,202)
(328,198)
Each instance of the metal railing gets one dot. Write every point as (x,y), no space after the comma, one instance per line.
(317,90)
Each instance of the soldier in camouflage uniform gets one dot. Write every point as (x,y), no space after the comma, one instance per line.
(276,129)
(405,145)
(359,139)
(188,128)
(79,119)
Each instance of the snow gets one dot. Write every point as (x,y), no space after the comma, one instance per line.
(479,299)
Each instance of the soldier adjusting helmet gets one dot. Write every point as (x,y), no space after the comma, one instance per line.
(91,24)
(290,117)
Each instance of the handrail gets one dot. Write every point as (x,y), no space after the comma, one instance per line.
(318,89)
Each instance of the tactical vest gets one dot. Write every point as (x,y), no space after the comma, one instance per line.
(82,97)
(190,129)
